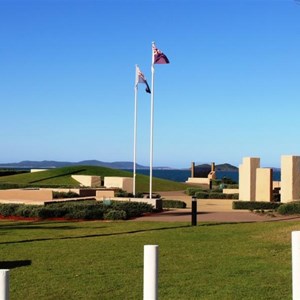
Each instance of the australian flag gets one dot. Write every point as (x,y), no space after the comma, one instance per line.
(159,57)
(141,79)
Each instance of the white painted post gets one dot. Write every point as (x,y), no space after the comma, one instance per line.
(4,284)
(150,272)
(296,264)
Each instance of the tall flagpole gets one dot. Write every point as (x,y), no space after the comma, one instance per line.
(135,130)
(151,123)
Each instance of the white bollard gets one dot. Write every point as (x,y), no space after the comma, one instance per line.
(150,272)
(296,264)
(4,284)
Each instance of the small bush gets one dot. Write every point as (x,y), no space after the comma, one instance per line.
(115,215)
(217,196)
(132,209)
(255,205)
(51,212)
(94,212)
(7,210)
(201,195)
(290,208)
(193,191)
(173,204)
(61,195)
(28,211)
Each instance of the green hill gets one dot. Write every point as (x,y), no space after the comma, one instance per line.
(62,177)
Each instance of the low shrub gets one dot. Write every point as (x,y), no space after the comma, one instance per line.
(173,204)
(201,195)
(255,205)
(28,211)
(115,215)
(51,212)
(193,191)
(7,186)
(234,196)
(92,212)
(217,196)
(7,210)
(89,210)
(61,195)
(290,208)
(132,209)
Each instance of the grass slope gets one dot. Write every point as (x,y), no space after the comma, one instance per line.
(104,260)
(62,177)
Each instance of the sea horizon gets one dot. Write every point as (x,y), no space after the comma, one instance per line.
(183,175)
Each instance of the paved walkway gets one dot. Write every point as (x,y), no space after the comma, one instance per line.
(210,210)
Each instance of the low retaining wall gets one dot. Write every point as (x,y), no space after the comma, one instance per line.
(198,180)
(33,196)
(230,191)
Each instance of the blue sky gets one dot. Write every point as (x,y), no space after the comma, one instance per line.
(67,71)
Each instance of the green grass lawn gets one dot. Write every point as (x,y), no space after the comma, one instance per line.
(104,260)
(62,177)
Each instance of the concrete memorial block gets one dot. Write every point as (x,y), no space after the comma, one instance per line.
(30,196)
(124,183)
(87,180)
(290,178)
(247,178)
(264,184)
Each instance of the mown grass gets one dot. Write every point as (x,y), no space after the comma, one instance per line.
(62,177)
(104,260)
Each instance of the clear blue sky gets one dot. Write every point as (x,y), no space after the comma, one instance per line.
(67,71)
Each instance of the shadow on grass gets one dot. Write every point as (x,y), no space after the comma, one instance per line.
(14,264)
(177,213)
(57,176)
(92,235)
(44,225)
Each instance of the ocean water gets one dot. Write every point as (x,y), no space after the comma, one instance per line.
(183,175)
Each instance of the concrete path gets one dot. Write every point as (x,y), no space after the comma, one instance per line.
(210,210)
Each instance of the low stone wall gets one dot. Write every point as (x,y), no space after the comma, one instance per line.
(230,191)
(103,194)
(198,180)
(26,195)
(124,183)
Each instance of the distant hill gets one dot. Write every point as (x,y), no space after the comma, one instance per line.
(48,164)
(62,177)
(220,167)
(226,167)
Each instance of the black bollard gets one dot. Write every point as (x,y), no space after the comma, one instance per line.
(194,211)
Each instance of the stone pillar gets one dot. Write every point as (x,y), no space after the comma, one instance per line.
(212,173)
(264,184)
(247,178)
(290,178)
(193,170)
(213,167)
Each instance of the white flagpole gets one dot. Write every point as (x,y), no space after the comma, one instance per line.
(151,123)
(135,130)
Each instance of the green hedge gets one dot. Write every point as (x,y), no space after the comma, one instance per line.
(193,191)
(201,195)
(290,208)
(173,204)
(90,210)
(252,205)
(61,195)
